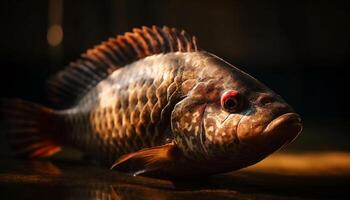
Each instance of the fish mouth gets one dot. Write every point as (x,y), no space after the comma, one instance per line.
(287,126)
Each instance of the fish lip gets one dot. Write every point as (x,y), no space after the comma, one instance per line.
(288,122)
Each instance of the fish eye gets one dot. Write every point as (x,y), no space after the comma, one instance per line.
(229,100)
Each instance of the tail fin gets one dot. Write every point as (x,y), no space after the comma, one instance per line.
(29,127)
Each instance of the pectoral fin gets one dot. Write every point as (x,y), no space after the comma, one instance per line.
(148,160)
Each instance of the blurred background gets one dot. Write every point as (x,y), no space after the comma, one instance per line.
(297,48)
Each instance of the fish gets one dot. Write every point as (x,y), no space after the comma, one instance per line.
(150,102)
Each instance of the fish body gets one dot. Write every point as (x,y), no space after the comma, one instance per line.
(150,102)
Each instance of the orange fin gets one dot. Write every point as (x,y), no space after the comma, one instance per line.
(69,85)
(149,159)
(29,128)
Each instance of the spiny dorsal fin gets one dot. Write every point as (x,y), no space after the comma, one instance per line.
(97,63)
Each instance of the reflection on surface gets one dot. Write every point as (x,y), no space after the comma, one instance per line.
(282,176)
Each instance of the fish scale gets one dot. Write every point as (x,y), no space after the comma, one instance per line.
(132,119)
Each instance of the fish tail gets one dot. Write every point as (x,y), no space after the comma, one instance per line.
(31,129)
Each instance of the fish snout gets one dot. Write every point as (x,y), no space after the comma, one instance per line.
(285,128)
(265,99)
(273,124)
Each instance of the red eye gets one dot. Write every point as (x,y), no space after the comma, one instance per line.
(229,100)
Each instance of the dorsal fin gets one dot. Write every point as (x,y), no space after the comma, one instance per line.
(69,85)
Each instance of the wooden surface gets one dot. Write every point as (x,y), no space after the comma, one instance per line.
(323,175)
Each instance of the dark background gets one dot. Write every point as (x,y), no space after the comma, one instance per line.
(297,48)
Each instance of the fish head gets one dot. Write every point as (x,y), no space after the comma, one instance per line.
(227,115)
